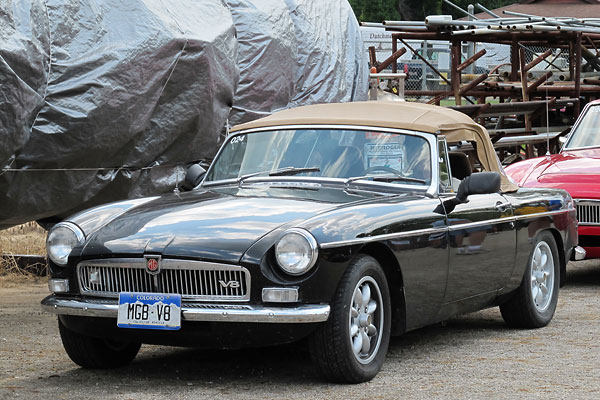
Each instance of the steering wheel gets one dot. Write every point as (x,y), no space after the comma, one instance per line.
(381,168)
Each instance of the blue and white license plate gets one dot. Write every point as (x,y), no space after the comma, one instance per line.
(149,311)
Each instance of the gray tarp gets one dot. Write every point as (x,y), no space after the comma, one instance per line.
(104,100)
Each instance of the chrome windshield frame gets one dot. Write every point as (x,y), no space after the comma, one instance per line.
(431,139)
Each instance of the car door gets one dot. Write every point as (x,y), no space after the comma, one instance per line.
(482,243)
(481,237)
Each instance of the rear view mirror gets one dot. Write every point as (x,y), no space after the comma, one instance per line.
(478,183)
(193,177)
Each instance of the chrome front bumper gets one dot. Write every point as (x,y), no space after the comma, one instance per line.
(195,312)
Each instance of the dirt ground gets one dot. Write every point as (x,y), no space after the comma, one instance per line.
(472,356)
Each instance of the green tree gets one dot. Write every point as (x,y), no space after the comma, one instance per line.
(393,10)
(414,10)
(375,10)
(417,10)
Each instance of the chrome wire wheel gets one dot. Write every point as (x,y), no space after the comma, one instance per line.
(542,276)
(366,320)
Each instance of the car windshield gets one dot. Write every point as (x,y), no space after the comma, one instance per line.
(331,153)
(586,133)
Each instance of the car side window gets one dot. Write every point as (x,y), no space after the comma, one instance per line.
(444,166)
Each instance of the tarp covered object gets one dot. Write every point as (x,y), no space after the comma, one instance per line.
(104,100)
(293,52)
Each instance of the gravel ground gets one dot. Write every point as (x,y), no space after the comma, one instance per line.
(472,356)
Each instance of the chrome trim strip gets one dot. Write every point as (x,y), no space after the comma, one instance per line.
(166,264)
(329,126)
(437,230)
(248,313)
(580,148)
(482,223)
(594,201)
(543,214)
(426,231)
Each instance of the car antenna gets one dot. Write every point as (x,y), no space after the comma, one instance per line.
(176,188)
(547,125)
(227,125)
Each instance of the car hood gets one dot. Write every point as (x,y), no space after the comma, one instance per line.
(577,171)
(218,224)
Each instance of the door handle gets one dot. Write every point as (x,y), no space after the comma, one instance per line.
(502,207)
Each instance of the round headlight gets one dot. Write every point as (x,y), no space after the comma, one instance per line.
(62,238)
(296,251)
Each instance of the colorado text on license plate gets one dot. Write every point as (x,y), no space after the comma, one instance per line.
(149,311)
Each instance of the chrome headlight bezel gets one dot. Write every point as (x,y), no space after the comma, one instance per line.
(78,237)
(305,243)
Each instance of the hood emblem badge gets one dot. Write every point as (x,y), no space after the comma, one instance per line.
(152,264)
(230,284)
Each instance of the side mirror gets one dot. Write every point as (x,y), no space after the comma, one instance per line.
(193,177)
(478,183)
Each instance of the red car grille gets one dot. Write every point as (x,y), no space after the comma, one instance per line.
(588,212)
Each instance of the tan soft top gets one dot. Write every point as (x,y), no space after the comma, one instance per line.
(454,125)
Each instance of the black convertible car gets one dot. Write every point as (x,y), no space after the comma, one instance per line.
(340,223)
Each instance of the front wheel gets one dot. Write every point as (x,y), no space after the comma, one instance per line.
(89,352)
(534,302)
(352,345)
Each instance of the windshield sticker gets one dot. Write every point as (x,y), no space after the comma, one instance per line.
(237,139)
(389,155)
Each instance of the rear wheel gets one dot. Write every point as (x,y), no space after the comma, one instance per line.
(352,345)
(534,302)
(89,352)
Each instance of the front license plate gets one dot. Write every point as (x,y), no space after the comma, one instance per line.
(149,311)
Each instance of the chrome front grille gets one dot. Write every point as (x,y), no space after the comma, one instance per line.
(588,212)
(194,280)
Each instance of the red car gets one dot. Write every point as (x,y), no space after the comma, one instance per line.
(576,169)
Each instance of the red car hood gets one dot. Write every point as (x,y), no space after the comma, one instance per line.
(577,171)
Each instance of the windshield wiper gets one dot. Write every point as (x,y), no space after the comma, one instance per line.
(293,171)
(384,178)
(279,172)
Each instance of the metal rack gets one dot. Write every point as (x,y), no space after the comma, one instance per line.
(554,69)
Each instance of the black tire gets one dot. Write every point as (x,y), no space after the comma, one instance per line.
(522,310)
(331,346)
(89,352)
